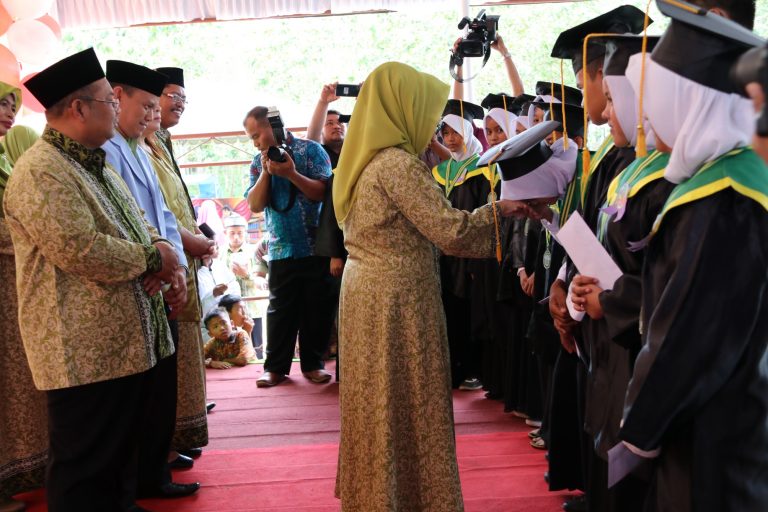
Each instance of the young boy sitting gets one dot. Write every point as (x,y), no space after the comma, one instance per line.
(228,345)
(241,318)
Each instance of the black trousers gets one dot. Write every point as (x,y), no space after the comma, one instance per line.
(300,302)
(94,440)
(159,423)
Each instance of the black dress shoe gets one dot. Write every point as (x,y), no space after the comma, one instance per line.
(172,490)
(192,453)
(578,504)
(181,462)
(209,406)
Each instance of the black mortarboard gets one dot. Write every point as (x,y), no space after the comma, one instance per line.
(501,100)
(465,109)
(619,48)
(519,145)
(135,75)
(175,75)
(344,118)
(702,46)
(574,118)
(569,44)
(572,94)
(66,76)
(519,103)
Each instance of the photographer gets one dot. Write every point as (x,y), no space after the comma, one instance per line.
(290,193)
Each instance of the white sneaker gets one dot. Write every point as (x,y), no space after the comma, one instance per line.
(471,385)
(533,423)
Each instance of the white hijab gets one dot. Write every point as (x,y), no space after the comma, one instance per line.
(547,180)
(698,122)
(472,146)
(524,122)
(625,103)
(506,120)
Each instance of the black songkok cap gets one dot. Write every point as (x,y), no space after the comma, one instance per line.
(66,76)
(175,75)
(569,44)
(574,118)
(620,48)
(572,94)
(134,75)
(702,46)
(501,100)
(465,109)
(520,103)
(344,118)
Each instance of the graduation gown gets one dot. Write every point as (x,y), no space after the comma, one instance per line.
(699,390)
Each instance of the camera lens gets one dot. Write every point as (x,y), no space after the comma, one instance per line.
(276,154)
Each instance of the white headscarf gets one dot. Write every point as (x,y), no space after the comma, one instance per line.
(625,104)
(524,122)
(472,146)
(547,180)
(698,122)
(506,120)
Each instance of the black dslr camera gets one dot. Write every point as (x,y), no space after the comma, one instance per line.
(753,67)
(477,43)
(277,152)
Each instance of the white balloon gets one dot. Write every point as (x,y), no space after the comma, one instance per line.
(33,42)
(27,9)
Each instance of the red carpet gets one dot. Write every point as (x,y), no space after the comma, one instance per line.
(276,450)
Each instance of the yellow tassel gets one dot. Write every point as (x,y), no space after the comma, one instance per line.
(562,94)
(641,148)
(498,252)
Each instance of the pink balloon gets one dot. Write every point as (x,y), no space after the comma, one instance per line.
(52,24)
(9,67)
(33,42)
(5,20)
(27,99)
(26,9)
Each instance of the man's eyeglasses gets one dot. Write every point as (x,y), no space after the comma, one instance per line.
(115,104)
(176,98)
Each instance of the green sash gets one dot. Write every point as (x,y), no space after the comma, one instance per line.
(450,174)
(572,199)
(595,159)
(626,184)
(740,169)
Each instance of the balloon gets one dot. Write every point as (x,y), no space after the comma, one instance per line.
(26,9)
(52,24)
(5,20)
(9,67)
(27,99)
(33,42)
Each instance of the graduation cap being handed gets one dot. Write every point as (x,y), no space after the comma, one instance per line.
(519,144)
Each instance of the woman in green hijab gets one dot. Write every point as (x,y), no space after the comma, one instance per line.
(397,447)
(18,139)
(23,415)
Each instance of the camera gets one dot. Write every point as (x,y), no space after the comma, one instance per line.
(753,67)
(482,32)
(277,152)
(352,90)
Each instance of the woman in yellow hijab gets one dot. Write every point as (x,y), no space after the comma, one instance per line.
(23,416)
(397,447)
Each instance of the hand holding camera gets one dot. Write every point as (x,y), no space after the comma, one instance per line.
(328,94)
(283,167)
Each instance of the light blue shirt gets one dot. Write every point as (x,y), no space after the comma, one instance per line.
(137,172)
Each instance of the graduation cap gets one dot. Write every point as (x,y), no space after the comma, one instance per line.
(66,76)
(574,119)
(619,48)
(702,46)
(569,43)
(465,109)
(501,100)
(135,75)
(520,144)
(572,94)
(175,75)
(542,171)
(519,102)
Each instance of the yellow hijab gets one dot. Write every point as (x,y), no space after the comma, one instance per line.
(397,107)
(18,139)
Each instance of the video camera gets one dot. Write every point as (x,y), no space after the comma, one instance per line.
(753,67)
(277,152)
(477,43)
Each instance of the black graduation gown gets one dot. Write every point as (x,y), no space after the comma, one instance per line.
(700,385)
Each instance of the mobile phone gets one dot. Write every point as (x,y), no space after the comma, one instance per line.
(207,231)
(347,90)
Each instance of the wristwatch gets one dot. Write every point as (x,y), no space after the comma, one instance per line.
(507,55)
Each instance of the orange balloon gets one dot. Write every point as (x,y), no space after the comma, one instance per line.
(5,20)
(27,99)
(9,67)
(52,24)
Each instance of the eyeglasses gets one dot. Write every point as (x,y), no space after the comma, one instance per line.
(115,104)
(176,98)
